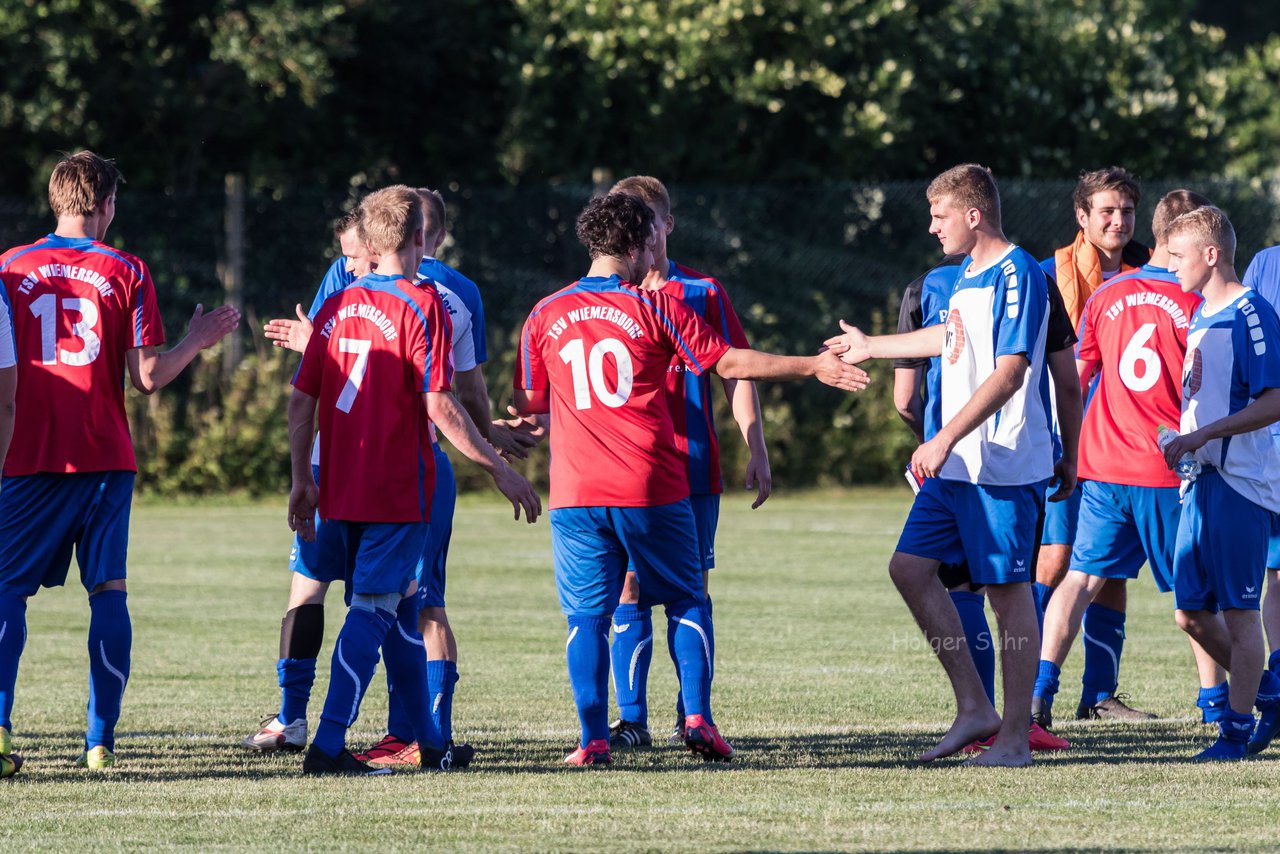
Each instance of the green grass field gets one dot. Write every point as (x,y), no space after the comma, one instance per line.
(822,684)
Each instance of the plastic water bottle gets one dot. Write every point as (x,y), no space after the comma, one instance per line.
(1188,467)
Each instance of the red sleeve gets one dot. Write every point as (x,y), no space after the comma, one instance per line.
(436,359)
(531,374)
(307,379)
(695,342)
(1087,349)
(148,328)
(729,327)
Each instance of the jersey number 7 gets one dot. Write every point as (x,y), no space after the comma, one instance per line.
(359,346)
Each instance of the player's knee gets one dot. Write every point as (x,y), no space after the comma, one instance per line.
(1187,621)
(302,632)
(630,590)
(908,572)
(306,591)
(376,602)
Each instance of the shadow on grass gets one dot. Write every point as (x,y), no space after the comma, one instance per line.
(172,756)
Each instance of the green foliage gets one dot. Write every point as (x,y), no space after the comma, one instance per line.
(223,435)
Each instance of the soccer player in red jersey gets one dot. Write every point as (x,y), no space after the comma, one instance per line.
(1133,340)
(596,356)
(378,368)
(82,314)
(695,430)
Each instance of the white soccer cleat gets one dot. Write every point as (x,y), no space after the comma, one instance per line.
(277,736)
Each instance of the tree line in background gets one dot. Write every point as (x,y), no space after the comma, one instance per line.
(796,136)
(491,92)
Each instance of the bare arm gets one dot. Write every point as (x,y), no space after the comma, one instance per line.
(150,370)
(1085,369)
(8,394)
(1069,395)
(907,400)
(919,344)
(995,391)
(452,420)
(744,401)
(1262,412)
(304,496)
(826,367)
(473,394)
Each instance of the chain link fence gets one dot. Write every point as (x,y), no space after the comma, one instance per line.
(794,260)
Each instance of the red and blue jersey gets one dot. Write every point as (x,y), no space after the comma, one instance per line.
(603,348)
(78,306)
(691,408)
(1135,326)
(378,345)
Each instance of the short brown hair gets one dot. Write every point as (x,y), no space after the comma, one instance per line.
(81,182)
(647,189)
(1100,180)
(614,225)
(346,222)
(970,186)
(388,218)
(1210,226)
(433,212)
(1172,205)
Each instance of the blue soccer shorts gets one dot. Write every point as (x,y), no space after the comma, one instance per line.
(44,516)
(379,557)
(431,567)
(1061,518)
(1122,527)
(993,528)
(1218,561)
(321,559)
(592,548)
(1273,547)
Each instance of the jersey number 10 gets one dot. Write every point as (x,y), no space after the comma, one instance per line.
(588,372)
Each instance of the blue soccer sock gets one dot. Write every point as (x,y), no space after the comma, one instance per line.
(1213,702)
(1046,687)
(1268,690)
(406,661)
(110,643)
(442,675)
(977,635)
(1040,593)
(13,637)
(631,654)
(355,657)
(402,641)
(691,646)
(301,635)
(1103,633)
(1273,663)
(587,654)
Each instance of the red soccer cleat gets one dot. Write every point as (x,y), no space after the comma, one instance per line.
(703,739)
(384,750)
(595,753)
(1038,739)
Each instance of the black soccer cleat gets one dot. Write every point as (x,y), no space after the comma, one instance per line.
(1113,708)
(628,735)
(319,763)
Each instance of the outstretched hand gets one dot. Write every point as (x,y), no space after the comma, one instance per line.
(856,344)
(514,437)
(205,330)
(833,371)
(290,334)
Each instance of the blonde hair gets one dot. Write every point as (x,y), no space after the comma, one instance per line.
(388,218)
(648,190)
(1172,205)
(1209,226)
(969,186)
(433,213)
(81,182)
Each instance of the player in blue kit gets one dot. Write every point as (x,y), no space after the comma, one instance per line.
(1263,276)
(695,430)
(986,469)
(1230,399)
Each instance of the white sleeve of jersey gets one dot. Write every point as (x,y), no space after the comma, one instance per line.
(464,345)
(8,356)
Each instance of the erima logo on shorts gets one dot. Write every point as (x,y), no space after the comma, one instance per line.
(1250,592)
